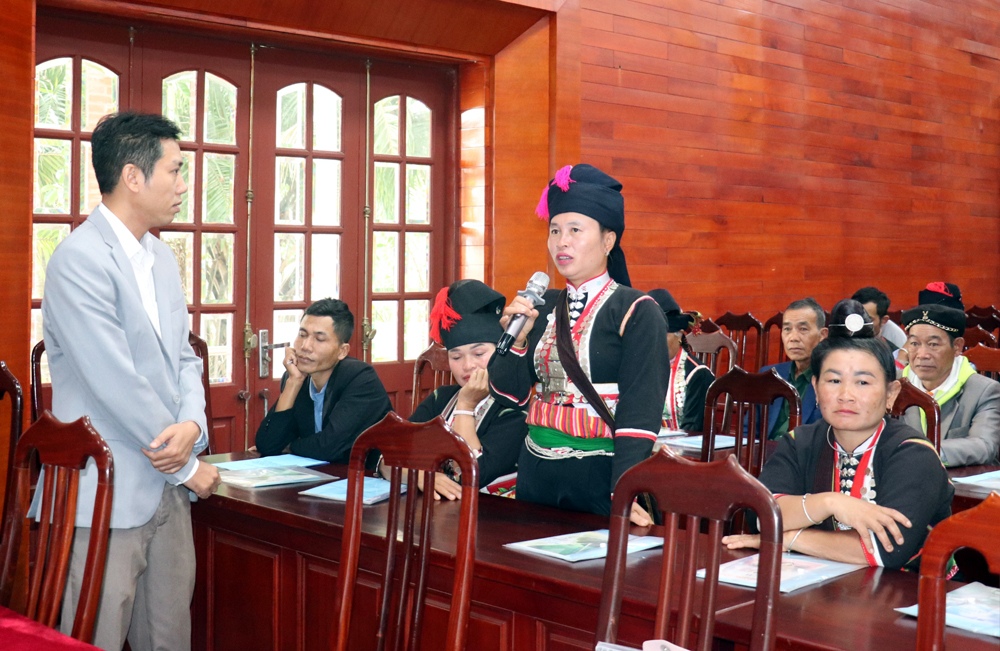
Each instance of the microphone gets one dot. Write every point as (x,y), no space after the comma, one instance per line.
(533,292)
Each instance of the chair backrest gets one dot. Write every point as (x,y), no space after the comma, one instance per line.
(765,356)
(678,486)
(708,326)
(748,397)
(896,316)
(986,360)
(37,406)
(911,396)
(978,336)
(739,327)
(978,528)
(982,312)
(707,349)
(435,358)
(200,347)
(417,447)
(63,450)
(9,386)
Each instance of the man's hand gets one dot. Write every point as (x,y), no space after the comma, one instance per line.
(294,374)
(177,441)
(205,480)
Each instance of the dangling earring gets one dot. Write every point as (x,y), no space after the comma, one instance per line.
(607,254)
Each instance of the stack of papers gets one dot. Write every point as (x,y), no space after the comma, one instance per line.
(973,607)
(261,477)
(582,546)
(797,571)
(722,442)
(987,480)
(278,461)
(375,490)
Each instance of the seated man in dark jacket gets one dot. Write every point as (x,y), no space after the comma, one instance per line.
(327,398)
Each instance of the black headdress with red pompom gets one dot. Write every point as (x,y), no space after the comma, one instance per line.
(466,312)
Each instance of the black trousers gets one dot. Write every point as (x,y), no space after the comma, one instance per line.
(570,484)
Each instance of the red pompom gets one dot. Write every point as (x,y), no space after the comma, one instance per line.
(940,288)
(562,178)
(443,315)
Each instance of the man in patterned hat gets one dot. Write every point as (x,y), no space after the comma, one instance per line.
(970,403)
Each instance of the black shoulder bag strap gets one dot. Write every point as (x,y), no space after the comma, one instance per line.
(567,357)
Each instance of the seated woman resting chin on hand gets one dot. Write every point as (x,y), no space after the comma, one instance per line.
(856,486)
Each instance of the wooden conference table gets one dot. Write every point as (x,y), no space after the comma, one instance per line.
(267,566)
(18,633)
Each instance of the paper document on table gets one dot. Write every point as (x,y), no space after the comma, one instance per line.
(375,490)
(722,442)
(986,480)
(279,461)
(973,607)
(264,477)
(582,546)
(797,571)
(648,645)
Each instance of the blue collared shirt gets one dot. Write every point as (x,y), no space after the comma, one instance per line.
(317,397)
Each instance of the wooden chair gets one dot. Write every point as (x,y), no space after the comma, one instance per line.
(978,336)
(422,447)
(707,349)
(37,404)
(200,347)
(911,396)
(739,327)
(679,488)
(708,326)
(986,360)
(748,405)
(764,358)
(63,450)
(896,316)
(435,357)
(9,386)
(982,312)
(990,324)
(977,528)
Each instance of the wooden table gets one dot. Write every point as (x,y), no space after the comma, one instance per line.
(968,495)
(18,633)
(267,565)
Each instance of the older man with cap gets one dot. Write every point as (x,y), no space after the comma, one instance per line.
(684,408)
(970,403)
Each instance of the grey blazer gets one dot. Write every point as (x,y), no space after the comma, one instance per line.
(107,362)
(970,423)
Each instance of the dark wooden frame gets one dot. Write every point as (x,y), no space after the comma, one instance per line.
(911,396)
(434,357)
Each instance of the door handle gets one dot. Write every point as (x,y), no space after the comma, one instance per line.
(265,395)
(264,353)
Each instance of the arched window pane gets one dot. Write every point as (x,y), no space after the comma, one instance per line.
(387,126)
(98,94)
(326,119)
(52,176)
(289,190)
(418,194)
(179,94)
(220,111)
(418,128)
(326,192)
(217,189)
(54,93)
(291,123)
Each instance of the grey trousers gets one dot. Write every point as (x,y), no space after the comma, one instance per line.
(148,581)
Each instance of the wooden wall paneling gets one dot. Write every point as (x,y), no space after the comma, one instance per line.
(772,151)
(476,166)
(244,576)
(520,158)
(17,71)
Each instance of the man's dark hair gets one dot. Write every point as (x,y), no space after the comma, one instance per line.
(876,296)
(343,320)
(810,304)
(127,138)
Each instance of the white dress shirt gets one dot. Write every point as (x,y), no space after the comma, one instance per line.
(140,254)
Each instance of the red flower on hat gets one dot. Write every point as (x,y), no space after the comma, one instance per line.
(940,288)
(443,315)
(562,180)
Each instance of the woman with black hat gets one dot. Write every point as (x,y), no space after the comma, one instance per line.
(465,319)
(684,408)
(597,349)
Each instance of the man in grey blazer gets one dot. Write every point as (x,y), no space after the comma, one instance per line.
(116,334)
(970,403)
